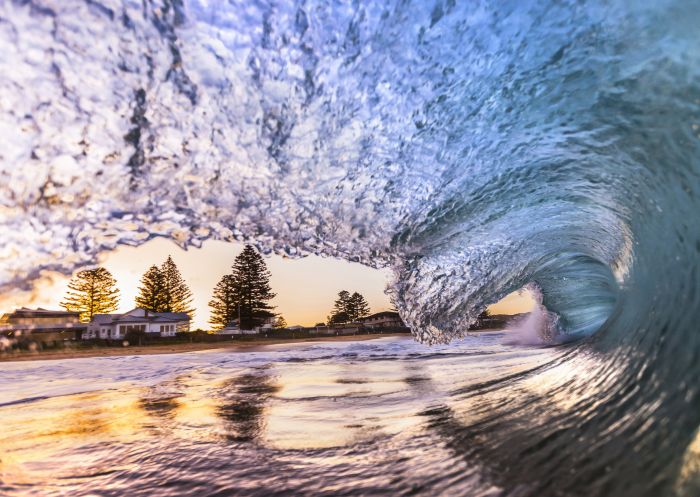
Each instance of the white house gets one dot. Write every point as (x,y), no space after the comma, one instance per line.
(116,326)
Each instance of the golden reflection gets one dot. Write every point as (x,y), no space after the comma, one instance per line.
(184,407)
(559,383)
(33,441)
(322,405)
(688,482)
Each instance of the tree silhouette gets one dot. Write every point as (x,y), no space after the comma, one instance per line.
(253,281)
(348,308)
(358,307)
(91,292)
(338,318)
(164,290)
(340,313)
(246,291)
(151,291)
(177,295)
(224,302)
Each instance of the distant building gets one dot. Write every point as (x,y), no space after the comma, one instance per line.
(322,330)
(347,329)
(233,329)
(42,325)
(266,324)
(117,326)
(385,319)
(494,321)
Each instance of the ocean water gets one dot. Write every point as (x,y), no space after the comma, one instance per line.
(380,417)
(472,147)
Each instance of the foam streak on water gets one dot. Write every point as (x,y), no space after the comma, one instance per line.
(473,147)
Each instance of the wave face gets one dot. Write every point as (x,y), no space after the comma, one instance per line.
(474,148)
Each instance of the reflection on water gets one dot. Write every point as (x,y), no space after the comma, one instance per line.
(361,418)
(242,407)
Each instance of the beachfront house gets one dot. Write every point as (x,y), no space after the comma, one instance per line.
(233,329)
(42,325)
(153,324)
(265,325)
(385,319)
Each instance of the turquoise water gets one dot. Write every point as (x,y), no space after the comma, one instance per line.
(471,147)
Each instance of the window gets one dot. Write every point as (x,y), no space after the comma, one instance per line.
(128,328)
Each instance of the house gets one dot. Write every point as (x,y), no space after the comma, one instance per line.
(266,324)
(495,321)
(346,329)
(322,330)
(42,325)
(385,319)
(233,329)
(117,326)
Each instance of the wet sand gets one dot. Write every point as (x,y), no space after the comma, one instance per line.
(234,346)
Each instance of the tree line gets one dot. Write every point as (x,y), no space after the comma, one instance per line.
(348,308)
(162,289)
(243,295)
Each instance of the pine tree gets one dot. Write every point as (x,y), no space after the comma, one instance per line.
(348,308)
(341,308)
(280,322)
(151,291)
(224,303)
(253,283)
(177,296)
(163,290)
(246,291)
(91,292)
(358,307)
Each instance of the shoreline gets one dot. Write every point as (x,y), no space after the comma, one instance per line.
(180,348)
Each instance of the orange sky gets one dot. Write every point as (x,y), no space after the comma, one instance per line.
(305,288)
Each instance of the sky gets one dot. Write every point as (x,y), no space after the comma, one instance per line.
(306,288)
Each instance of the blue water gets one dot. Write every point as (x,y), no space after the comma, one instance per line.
(473,147)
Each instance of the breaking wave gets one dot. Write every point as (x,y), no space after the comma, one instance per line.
(473,148)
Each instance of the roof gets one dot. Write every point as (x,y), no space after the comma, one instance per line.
(383,314)
(175,316)
(39,312)
(151,317)
(104,318)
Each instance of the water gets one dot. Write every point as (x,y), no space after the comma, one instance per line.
(472,147)
(344,418)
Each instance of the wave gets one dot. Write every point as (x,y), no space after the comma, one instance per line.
(474,149)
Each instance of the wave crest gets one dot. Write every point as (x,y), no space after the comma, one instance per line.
(473,148)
